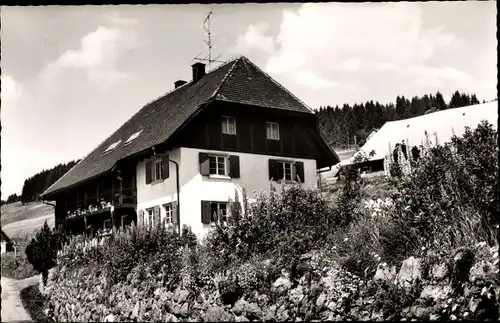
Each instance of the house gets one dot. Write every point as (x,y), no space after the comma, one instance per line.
(184,155)
(412,131)
(6,243)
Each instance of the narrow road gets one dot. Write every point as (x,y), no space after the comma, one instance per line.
(12,306)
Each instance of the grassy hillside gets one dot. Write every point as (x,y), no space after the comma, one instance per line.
(18,219)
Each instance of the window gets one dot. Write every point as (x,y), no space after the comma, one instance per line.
(218,165)
(218,212)
(288,170)
(273,131)
(228,125)
(132,137)
(112,146)
(168,213)
(285,170)
(158,170)
(150,218)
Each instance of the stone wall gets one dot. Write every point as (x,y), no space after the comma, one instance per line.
(463,284)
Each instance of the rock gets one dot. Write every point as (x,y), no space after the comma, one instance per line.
(270,313)
(434,317)
(282,313)
(217,314)
(385,273)
(420,312)
(474,304)
(479,271)
(440,271)
(436,293)
(332,306)
(110,318)
(296,295)
(410,272)
(320,302)
(184,310)
(251,310)
(241,318)
(180,295)
(282,283)
(135,311)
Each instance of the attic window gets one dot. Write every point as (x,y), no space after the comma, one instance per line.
(112,146)
(132,137)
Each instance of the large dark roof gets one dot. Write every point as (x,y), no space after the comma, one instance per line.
(238,81)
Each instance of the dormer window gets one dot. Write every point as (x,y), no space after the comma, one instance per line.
(228,125)
(132,137)
(112,146)
(273,131)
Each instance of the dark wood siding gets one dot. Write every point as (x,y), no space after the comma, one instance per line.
(296,132)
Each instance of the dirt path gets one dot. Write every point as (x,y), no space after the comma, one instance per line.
(12,306)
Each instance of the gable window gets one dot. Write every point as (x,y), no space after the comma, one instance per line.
(132,137)
(273,131)
(168,213)
(285,171)
(158,170)
(228,125)
(218,165)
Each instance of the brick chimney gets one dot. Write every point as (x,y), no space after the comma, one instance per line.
(179,83)
(198,71)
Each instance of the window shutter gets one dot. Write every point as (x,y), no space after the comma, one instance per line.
(175,215)
(205,212)
(165,165)
(273,169)
(299,171)
(149,168)
(234,166)
(204,164)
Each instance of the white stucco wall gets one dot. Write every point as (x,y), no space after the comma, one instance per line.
(254,176)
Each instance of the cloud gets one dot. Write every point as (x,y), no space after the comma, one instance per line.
(12,92)
(324,45)
(99,53)
(254,38)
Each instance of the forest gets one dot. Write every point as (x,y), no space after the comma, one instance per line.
(38,183)
(346,126)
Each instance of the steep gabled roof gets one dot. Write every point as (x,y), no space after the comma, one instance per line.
(238,81)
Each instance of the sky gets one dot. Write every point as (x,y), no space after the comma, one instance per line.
(72,75)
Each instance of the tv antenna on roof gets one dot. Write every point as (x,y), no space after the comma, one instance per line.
(209,59)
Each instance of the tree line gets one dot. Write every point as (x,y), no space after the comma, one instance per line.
(348,125)
(38,183)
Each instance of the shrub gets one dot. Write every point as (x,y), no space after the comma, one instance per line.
(459,205)
(42,250)
(283,225)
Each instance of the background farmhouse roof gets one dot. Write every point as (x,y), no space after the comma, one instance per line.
(445,123)
(238,81)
